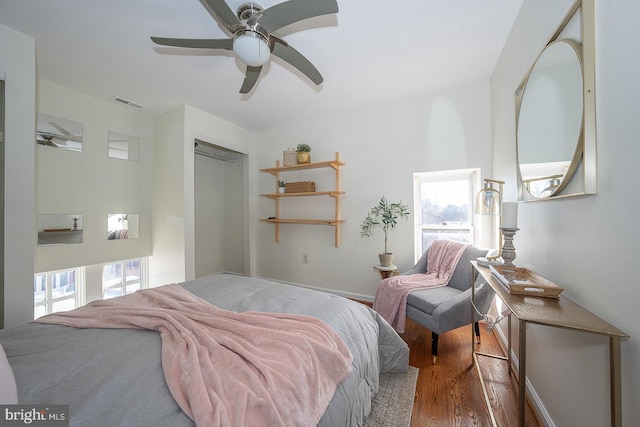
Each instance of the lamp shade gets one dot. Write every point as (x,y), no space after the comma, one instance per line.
(251,48)
(488,200)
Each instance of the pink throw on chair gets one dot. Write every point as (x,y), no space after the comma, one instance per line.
(391,296)
(230,369)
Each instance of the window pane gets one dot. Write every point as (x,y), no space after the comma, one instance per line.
(445,202)
(111,274)
(133,270)
(112,292)
(39,311)
(428,236)
(39,288)
(64,305)
(132,288)
(63,284)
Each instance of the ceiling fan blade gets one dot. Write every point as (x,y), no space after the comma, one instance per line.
(250,79)
(226,44)
(220,10)
(68,135)
(295,58)
(283,14)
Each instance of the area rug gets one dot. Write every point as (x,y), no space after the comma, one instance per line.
(393,404)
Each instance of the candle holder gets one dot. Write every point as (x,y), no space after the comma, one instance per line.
(508,250)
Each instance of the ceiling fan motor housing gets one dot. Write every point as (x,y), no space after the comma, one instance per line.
(247,10)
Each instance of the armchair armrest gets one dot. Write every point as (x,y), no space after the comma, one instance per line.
(456,312)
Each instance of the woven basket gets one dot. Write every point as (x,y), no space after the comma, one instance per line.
(300,187)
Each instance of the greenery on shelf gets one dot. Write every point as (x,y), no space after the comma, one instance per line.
(281,184)
(303,148)
(384,215)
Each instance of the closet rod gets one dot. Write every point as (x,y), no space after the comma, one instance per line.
(213,156)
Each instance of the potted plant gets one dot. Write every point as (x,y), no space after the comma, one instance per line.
(281,186)
(304,153)
(385,215)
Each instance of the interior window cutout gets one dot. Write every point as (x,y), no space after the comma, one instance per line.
(123,226)
(59,229)
(123,146)
(56,132)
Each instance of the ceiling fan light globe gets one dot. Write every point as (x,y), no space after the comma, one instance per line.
(251,48)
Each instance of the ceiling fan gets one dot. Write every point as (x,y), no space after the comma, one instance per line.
(252,39)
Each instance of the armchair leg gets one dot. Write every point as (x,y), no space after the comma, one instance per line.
(434,346)
(476,328)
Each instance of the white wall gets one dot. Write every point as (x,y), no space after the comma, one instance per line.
(584,244)
(235,216)
(382,147)
(17,61)
(90,182)
(174,243)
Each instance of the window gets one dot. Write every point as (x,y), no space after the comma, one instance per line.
(443,203)
(123,277)
(55,291)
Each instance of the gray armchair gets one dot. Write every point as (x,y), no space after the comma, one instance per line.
(449,307)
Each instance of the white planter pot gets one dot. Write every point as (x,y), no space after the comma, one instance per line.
(386,259)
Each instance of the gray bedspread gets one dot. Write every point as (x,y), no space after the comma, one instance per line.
(113,377)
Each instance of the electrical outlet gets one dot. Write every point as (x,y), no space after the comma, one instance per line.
(305,258)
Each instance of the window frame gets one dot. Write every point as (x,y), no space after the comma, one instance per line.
(124,282)
(49,301)
(472,175)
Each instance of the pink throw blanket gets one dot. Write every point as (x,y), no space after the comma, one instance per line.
(391,296)
(230,369)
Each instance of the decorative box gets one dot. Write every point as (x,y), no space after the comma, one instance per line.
(300,187)
(289,157)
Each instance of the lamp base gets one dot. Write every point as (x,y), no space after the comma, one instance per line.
(508,250)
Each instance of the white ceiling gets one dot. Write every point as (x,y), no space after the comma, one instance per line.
(369,52)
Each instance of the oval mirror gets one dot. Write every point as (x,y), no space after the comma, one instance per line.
(549,125)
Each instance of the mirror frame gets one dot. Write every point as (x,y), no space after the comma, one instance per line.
(577,144)
(585,153)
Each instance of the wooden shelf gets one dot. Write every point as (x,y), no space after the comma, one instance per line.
(334,164)
(304,221)
(313,193)
(336,193)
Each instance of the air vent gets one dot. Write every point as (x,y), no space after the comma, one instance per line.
(127,102)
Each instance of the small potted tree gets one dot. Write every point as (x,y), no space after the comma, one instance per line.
(304,153)
(384,215)
(281,186)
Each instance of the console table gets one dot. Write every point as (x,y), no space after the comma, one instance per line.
(560,313)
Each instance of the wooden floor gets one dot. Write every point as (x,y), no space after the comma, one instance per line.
(449,393)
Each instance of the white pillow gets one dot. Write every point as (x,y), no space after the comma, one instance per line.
(8,389)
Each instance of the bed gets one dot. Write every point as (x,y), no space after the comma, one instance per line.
(114,376)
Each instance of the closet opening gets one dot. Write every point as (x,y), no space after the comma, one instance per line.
(220,209)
